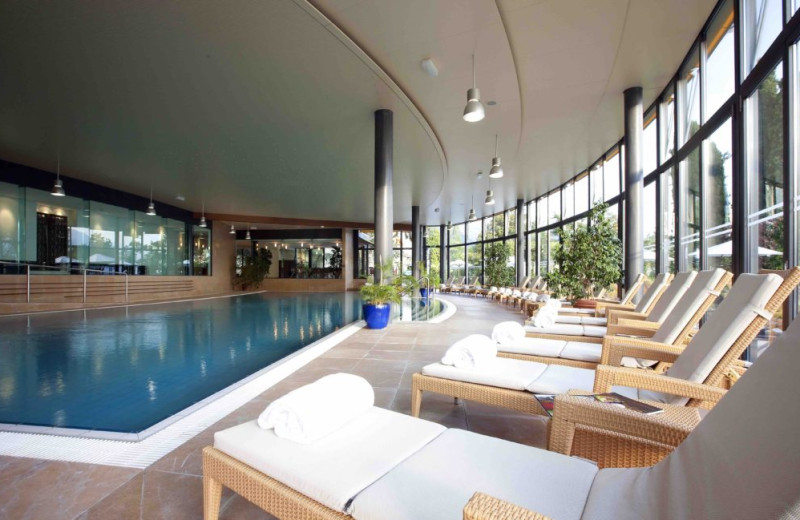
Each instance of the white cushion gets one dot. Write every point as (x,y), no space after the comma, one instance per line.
(689,304)
(581,320)
(334,469)
(561,329)
(649,295)
(557,379)
(504,373)
(535,347)
(747,297)
(671,295)
(594,331)
(739,463)
(437,481)
(582,351)
(572,319)
(591,320)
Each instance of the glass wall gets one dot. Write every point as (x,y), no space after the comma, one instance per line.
(365,253)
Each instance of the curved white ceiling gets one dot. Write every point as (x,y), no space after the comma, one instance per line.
(265,108)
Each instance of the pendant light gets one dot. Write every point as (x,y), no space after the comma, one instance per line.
(489,200)
(497,171)
(233,230)
(203,223)
(151,208)
(474,111)
(449,226)
(247,235)
(472,215)
(58,188)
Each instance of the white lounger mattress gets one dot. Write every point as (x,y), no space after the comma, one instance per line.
(438,480)
(336,468)
(567,329)
(559,348)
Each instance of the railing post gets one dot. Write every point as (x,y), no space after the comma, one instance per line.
(28,280)
(84,285)
(126,288)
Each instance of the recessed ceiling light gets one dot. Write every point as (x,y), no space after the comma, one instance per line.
(180,197)
(491,103)
(429,67)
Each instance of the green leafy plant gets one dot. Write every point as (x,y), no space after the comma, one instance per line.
(254,270)
(496,256)
(388,288)
(432,274)
(588,257)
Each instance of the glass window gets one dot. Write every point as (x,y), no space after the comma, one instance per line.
(689,97)
(474,231)
(488,229)
(718,187)
(719,71)
(511,222)
(762,21)
(764,149)
(555,242)
(177,260)
(568,198)
(474,262)
(650,143)
(544,253)
(541,210)
(649,230)
(457,265)
(532,259)
(667,119)
(433,250)
(554,206)
(668,195)
(690,210)
(582,193)
(457,234)
(611,173)
(531,215)
(795,104)
(596,180)
(11,220)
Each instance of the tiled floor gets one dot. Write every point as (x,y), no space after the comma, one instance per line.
(171,488)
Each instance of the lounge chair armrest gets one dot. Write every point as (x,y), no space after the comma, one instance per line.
(616,307)
(668,428)
(632,328)
(607,377)
(486,507)
(614,315)
(615,348)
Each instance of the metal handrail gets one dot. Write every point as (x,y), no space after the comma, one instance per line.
(83,270)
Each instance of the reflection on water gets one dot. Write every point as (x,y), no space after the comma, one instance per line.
(126,369)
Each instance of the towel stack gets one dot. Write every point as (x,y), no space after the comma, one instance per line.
(546,317)
(508,333)
(474,351)
(313,411)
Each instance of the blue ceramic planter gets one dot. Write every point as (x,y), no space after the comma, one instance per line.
(423,293)
(376,316)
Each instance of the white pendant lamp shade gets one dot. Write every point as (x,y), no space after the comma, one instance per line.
(203,222)
(247,235)
(233,230)
(474,111)
(151,208)
(489,201)
(449,225)
(58,187)
(497,171)
(472,215)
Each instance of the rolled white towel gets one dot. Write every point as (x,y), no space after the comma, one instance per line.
(517,293)
(474,351)
(313,411)
(543,298)
(493,289)
(546,317)
(507,333)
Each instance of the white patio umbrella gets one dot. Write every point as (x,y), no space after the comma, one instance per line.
(98,258)
(726,249)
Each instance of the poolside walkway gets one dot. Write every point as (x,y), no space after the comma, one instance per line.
(171,488)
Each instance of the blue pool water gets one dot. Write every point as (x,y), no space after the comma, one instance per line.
(126,369)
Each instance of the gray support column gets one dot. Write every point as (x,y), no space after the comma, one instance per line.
(416,242)
(384,218)
(634,185)
(442,252)
(520,243)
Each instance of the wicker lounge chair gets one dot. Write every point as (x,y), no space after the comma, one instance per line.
(690,308)
(453,284)
(646,303)
(694,381)
(446,284)
(728,467)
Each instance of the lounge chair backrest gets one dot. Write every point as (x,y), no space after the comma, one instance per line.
(525,282)
(536,283)
(740,462)
(670,298)
(631,292)
(653,292)
(704,287)
(746,301)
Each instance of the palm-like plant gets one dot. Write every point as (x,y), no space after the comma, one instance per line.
(388,289)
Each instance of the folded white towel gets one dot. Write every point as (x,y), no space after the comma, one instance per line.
(507,333)
(546,316)
(474,351)
(543,298)
(493,289)
(516,293)
(313,411)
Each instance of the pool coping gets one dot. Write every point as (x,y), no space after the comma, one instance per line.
(139,450)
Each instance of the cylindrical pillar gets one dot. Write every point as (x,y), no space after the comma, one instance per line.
(416,242)
(520,231)
(442,252)
(634,185)
(383,189)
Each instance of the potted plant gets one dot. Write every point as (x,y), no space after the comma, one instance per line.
(253,270)
(433,279)
(379,296)
(588,259)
